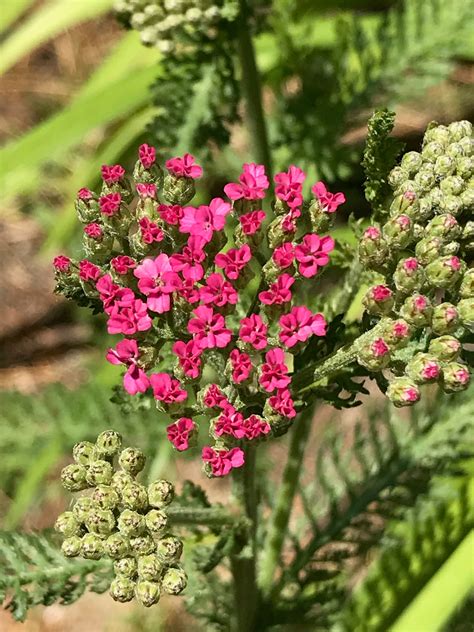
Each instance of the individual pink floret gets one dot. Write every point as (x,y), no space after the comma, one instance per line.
(290,186)
(254,331)
(279,292)
(122,264)
(129,319)
(150,232)
(274,372)
(62,263)
(112,294)
(184,167)
(234,261)
(189,260)
(329,201)
(93,230)
(299,325)
(221,462)
(147,155)
(146,190)
(157,280)
(241,366)
(189,356)
(171,213)
(218,291)
(251,222)
(284,255)
(112,173)
(209,328)
(283,404)
(252,184)
(126,352)
(180,432)
(166,389)
(89,271)
(313,253)
(110,203)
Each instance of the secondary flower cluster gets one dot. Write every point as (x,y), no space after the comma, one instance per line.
(178,280)
(422,251)
(177,26)
(121,519)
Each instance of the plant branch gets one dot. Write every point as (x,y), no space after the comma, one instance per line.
(278,524)
(212,517)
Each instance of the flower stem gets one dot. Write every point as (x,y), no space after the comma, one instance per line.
(211,517)
(278,524)
(252,89)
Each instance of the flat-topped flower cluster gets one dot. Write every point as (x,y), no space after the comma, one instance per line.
(213,285)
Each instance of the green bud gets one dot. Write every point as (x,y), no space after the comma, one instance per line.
(160,494)
(466,312)
(417,310)
(408,276)
(467,145)
(425,179)
(406,200)
(445,319)
(466,289)
(455,151)
(452,185)
(71,547)
(174,581)
(397,176)
(105,496)
(423,368)
(117,546)
(436,199)
(101,521)
(276,233)
(428,249)
(108,443)
(453,204)
(120,479)
(468,236)
(411,162)
(73,478)
(126,566)
(402,391)
(169,549)
(459,129)
(378,300)
(444,226)
(278,423)
(444,272)
(122,589)
(178,190)
(455,377)
(83,452)
(467,199)
(147,593)
(67,524)
(132,460)
(92,547)
(142,544)
(445,348)
(134,496)
(439,134)
(153,175)
(97,249)
(398,231)
(99,473)
(88,211)
(432,151)
(83,507)
(156,521)
(149,567)
(396,333)
(131,523)
(373,249)
(320,220)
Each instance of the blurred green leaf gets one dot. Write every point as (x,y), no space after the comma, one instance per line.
(46,22)
(11,11)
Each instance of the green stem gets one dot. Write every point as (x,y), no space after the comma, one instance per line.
(252,90)
(212,517)
(243,564)
(278,524)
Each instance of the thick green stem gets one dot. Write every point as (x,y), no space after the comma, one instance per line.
(243,564)
(278,524)
(252,90)
(212,517)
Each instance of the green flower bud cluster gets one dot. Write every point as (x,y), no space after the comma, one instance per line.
(177,27)
(422,252)
(121,519)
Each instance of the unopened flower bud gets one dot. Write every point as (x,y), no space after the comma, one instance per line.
(120,479)
(101,521)
(395,332)
(83,452)
(143,544)
(117,546)
(466,312)
(398,231)
(87,206)
(405,201)
(149,567)
(444,226)
(178,190)
(160,493)
(99,472)
(411,162)
(444,272)
(456,377)
(423,368)
(445,348)
(425,179)
(428,249)
(71,547)
(174,580)
(437,133)
(67,524)
(73,477)
(83,507)
(147,593)
(459,129)
(97,244)
(432,151)
(373,354)
(131,523)
(105,496)
(396,176)
(466,289)
(92,547)
(373,249)
(132,460)
(126,566)
(452,185)
(465,167)
(378,300)
(122,589)
(408,276)
(403,392)
(134,496)
(445,319)
(320,220)
(169,549)
(453,204)
(467,198)
(417,310)
(156,521)
(467,145)
(108,443)
(468,236)
(436,200)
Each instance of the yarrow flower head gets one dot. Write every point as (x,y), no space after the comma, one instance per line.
(252,184)
(184,166)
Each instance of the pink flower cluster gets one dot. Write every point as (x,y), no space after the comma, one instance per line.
(185,296)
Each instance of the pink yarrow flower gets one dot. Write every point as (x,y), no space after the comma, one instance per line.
(171,213)
(112,173)
(283,404)
(218,291)
(122,264)
(329,201)
(279,292)
(221,462)
(290,186)
(166,389)
(411,264)
(110,203)
(146,190)
(89,271)
(184,167)
(313,253)
(129,319)
(381,293)
(215,398)
(85,194)
(252,184)
(209,328)
(380,348)
(274,372)
(299,324)
(204,220)
(94,231)
(254,331)
(288,223)
(241,366)
(112,294)
(62,263)
(189,260)
(189,356)
(147,155)
(180,432)
(251,222)
(126,352)
(411,394)
(157,280)
(431,371)
(189,291)
(230,422)
(150,232)
(254,427)
(234,261)
(372,232)
(284,255)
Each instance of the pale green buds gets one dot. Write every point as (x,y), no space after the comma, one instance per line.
(408,276)
(83,452)
(82,507)
(398,231)
(99,472)
(445,319)
(132,460)
(134,496)
(373,353)
(92,546)
(101,521)
(466,312)
(444,272)
(373,249)
(126,566)
(378,300)
(174,581)
(131,523)
(87,208)
(423,368)
(71,547)
(122,589)
(432,151)
(466,290)
(459,129)
(147,593)
(142,544)
(105,496)
(417,310)
(160,493)
(396,333)
(169,549)
(444,226)
(67,524)
(120,480)
(178,190)
(428,249)
(156,521)
(411,162)
(108,443)
(149,567)
(456,377)
(402,391)
(117,546)
(397,176)
(73,478)
(445,348)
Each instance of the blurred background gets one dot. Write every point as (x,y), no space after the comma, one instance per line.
(76,93)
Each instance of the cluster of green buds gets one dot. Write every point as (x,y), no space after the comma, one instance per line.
(121,519)
(426,295)
(177,27)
